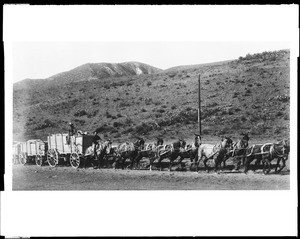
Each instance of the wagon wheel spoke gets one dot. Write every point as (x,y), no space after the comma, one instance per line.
(39,160)
(52,158)
(75,160)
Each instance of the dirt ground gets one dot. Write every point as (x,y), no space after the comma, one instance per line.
(63,177)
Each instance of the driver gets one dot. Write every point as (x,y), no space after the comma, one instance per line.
(96,139)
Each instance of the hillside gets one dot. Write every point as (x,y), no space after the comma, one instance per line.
(247,94)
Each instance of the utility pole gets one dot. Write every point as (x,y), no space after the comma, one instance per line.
(199,109)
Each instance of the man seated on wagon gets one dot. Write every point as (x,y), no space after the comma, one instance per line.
(71,132)
(71,129)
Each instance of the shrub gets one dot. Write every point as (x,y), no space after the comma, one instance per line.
(128,121)
(235,94)
(243,119)
(80,113)
(279,113)
(149,83)
(46,124)
(124,104)
(248,91)
(114,131)
(129,130)
(161,110)
(80,121)
(143,128)
(118,124)
(108,115)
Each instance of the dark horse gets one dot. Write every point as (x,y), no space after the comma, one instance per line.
(171,152)
(256,152)
(102,149)
(128,150)
(238,151)
(266,153)
(150,151)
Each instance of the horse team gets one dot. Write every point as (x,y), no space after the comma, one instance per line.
(240,151)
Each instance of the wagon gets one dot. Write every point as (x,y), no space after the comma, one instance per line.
(16,152)
(32,151)
(61,150)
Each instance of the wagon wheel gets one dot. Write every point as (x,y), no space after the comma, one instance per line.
(22,159)
(39,160)
(52,157)
(16,159)
(75,159)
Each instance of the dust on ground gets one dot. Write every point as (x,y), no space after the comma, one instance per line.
(32,177)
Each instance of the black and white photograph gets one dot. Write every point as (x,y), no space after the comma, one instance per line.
(131,125)
(131,118)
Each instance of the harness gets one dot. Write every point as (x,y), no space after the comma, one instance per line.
(261,150)
(215,151)
(277,151)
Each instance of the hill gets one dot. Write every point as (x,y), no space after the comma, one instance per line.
(94,71)
(247,94)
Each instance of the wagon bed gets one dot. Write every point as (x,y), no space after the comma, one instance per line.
(65,148)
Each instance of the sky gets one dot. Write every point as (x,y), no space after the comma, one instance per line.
(41,41)
(38,60)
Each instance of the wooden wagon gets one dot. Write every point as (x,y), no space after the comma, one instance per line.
(64,149)
(32,151)
(16,152)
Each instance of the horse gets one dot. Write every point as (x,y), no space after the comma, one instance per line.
(128,150)
(281,151)
(150,151)
(159,141)
(270,151)
(216,152)
(260,152)
(238,151)
(171,152)
(190,150)
(102,149)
